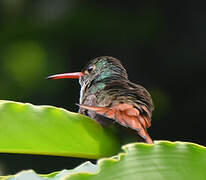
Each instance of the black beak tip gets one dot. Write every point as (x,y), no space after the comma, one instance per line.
(48,78)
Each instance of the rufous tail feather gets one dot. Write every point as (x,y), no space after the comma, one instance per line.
(127,115)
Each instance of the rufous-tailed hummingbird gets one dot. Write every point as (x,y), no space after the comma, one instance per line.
(107,95)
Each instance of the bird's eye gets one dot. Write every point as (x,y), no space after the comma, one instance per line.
(90,68)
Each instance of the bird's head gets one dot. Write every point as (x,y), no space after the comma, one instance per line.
(99,69)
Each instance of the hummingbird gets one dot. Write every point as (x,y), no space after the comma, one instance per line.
(107,95)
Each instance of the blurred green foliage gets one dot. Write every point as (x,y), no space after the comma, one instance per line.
(24,63)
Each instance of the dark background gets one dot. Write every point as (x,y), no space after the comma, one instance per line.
(161,44)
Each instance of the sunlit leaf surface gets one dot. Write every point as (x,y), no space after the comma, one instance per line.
(162,161)
(47,130)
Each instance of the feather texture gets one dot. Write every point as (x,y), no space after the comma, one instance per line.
(108,95)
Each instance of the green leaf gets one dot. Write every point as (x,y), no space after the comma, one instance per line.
(31,175)
(47,130)
(162,161)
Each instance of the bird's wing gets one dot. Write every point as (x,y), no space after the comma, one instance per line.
(126,115)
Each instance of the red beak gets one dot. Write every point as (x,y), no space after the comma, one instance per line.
(75,75)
